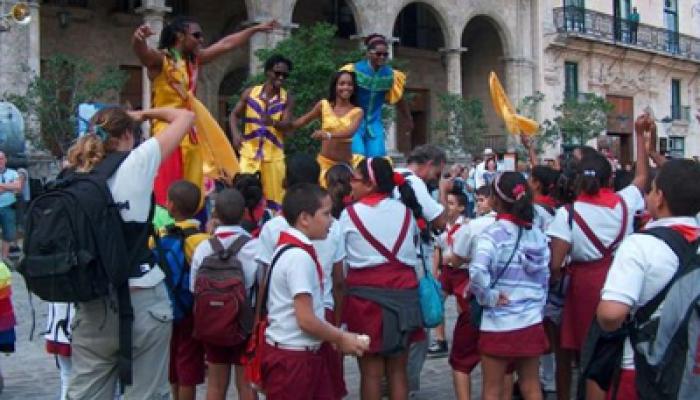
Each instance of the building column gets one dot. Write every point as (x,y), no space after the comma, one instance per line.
(518,82)
(153,12)
(453,65)
(265,40)
(20,47)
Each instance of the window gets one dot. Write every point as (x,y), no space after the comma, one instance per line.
(675,99)
(570,80)
(676,147)
(671,25)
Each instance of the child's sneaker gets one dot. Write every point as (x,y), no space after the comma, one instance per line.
(438,349)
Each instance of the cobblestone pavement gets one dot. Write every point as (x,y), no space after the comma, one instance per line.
(31,374)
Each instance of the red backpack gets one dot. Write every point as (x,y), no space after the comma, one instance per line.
(223,314)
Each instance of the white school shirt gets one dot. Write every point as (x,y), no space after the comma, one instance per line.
(293,274)
(643,265)
(604,221)
(329,251)
(384,222)
(246,255)
(441,239)
(542,218)
(133,183)
(465,238)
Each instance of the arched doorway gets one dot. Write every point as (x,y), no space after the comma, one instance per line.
(420,31)
(231,85)
(335,12)
(484,54)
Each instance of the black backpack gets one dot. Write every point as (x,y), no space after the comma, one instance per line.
(75,248)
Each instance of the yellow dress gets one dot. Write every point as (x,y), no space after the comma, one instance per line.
(205,148)
(263,145)
(330,122)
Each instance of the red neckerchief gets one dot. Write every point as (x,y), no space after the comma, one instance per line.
(286,238)
(546,200)
(512,218)
(689,232)
(373,199)
(451,232)
(605,197)
(224,235)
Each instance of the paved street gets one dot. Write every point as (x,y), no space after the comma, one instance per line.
(31,374)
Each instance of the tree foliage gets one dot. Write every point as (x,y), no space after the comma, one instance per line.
(314,52)
(53,98)
(579,119)
(461,126)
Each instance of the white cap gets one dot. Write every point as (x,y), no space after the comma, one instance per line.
(488,151)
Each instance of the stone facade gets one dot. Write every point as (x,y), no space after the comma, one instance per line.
(448,46)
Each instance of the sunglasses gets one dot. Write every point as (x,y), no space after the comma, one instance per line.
(281,74)
(197,35)
(381,53)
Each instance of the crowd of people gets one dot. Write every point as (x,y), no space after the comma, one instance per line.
(276,273)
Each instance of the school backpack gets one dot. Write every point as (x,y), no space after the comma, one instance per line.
(666,344)
(223,314)
(170,248)
(74,247)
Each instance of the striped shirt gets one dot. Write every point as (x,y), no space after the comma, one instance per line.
(524,282)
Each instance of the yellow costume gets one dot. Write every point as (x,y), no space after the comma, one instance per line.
(205,147)
(332,123)
(263,145)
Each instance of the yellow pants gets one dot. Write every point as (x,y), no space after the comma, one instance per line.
(272,175)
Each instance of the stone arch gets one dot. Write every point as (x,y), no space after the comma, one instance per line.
(485,52)
(342,13)
(435,10)
(499,24)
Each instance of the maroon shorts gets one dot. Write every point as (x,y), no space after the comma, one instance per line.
(464,355)
(223,354)
(334,363)
(294,375)
(364,316)
(526,342)
(627,389)
(454,281)
(186,355)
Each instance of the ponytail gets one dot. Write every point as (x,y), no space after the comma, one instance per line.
(168,35)
(338,185)
(594,172)
(515,195)
(107,126)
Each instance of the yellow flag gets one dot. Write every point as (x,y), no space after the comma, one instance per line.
(515,124)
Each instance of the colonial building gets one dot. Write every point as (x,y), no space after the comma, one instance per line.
(558,47)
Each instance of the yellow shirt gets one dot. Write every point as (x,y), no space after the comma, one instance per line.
(330,122)
(260,141)
(192,241)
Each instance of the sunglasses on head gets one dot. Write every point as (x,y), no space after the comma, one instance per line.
(281,74)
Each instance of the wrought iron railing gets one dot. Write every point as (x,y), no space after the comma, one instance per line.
(606,28)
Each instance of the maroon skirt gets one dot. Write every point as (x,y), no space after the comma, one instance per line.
(525,342)
(464,355)
(582,298)
(364,316)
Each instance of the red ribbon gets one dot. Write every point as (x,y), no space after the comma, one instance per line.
(605,197)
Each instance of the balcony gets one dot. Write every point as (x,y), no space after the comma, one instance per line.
(588,24)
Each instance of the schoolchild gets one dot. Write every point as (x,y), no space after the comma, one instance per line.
(643,263)
(186,369)
(293,366)
(257,213)
(451,277)
(380,235)
(589,237)
(509,276)
(229,206)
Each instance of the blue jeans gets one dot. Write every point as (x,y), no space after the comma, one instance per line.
(8,223)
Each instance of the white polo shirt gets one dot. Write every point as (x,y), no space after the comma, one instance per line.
(542,217)
(246,255)
(604,221)
(329,251)
(294,273)
(442,240)
(133,183)
(643,265)
(465,239)
(384,222)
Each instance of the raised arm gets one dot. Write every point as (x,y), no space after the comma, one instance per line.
(642,124)
(527,143)
(179,123)
(149,58)
(230,42)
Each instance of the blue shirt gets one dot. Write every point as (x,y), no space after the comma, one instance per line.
(8,198)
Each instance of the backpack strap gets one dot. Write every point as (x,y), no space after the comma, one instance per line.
(588,232)
(238,244)
(109,165)
(391,256)
(684,250)
(262,310)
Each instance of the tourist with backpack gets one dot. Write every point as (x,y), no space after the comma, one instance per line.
(654,282)
(100,354)
(174,248)
(222,279)
(292,364)
(587,232)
